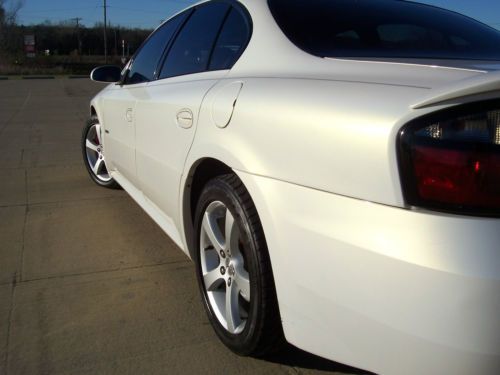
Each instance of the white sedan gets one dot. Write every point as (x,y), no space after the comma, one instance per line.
(332,168)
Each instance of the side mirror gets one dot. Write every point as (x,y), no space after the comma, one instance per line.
(106,73)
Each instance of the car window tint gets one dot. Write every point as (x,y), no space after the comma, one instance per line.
(383,29)
(191,50)
(405,36)
(347,39)
(232,39)
(145,62)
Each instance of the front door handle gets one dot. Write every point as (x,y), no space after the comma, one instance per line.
(184,118)
(129,115)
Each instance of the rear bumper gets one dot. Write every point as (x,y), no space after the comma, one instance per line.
(382,288)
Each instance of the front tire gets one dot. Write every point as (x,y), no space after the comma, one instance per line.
(234,270)
(93,155)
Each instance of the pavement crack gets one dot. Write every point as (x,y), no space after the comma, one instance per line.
(26,185)
(117,269)
(9,322)
(110,197)
(12,205)
(23,239)
(21,161)
(18,111)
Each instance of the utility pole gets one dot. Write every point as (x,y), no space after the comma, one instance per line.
(116,43)
(105,33)
(123,52)
(77,20)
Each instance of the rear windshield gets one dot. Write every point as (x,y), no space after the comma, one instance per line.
(383,29)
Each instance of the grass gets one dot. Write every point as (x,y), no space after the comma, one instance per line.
(51,65)
(15,70)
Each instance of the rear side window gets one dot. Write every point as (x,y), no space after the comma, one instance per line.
(146,61)
(191,50)
(232,41)
(383,29)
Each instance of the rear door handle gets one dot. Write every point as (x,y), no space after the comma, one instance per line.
(184,118)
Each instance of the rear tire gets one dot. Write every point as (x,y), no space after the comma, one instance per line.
(234,270)
(93,155)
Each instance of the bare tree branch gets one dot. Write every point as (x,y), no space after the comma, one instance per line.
(8,19)
(13,11)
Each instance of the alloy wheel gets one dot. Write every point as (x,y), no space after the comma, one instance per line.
(225,276)
(95,153)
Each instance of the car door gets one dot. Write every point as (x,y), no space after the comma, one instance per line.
(120,101)
(118,104)
(166,117)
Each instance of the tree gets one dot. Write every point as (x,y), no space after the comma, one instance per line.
(9,16)
(8,19)
(2,12)
(2,24)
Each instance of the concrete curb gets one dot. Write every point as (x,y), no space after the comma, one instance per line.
(38,77)
(6,78)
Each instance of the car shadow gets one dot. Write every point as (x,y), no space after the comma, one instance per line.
(295,357)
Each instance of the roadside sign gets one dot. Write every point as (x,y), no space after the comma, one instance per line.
(29,40)
(29,45)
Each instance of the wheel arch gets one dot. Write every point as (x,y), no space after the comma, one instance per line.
(199,170)
(199,173)
(211,156)
(202,171)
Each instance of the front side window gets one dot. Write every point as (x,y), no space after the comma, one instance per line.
(146,61)
(383,29)
(190,52)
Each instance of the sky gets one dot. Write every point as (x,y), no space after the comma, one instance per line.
(150,13)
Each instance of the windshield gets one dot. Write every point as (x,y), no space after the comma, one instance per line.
(383,29)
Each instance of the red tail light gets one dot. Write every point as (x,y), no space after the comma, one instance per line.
(451,160)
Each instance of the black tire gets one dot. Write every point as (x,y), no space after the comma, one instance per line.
(107,183)
(263,332)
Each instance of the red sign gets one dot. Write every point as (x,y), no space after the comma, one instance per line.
(29,45)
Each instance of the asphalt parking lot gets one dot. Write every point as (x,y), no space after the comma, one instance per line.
(88,283)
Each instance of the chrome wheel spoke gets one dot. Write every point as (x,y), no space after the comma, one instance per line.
(232,309)
(213,232)
(243,284)
(231,235)
(98,133)
(98,166)
(90,145)
(213,280)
